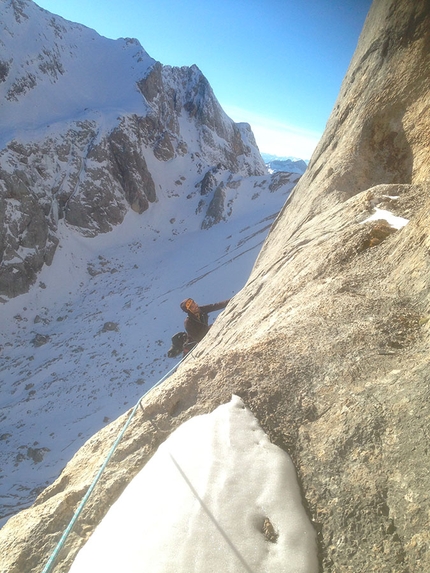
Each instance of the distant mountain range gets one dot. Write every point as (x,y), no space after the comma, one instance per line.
(288,164)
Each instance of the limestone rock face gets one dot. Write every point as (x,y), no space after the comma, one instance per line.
(376,132)
(327,343)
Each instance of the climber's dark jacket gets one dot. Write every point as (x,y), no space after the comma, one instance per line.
(196,323)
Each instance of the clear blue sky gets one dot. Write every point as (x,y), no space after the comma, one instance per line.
(277,64)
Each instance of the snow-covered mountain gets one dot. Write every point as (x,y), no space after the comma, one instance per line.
(124,188)
(92,128)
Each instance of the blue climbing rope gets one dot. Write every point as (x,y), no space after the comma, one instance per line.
(51,561)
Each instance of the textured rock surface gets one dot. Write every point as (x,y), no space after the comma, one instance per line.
(328,342)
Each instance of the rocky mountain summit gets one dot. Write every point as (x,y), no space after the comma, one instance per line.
(327,343)
(92,128)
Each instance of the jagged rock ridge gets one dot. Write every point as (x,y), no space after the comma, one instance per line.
(115,118)
(327,343)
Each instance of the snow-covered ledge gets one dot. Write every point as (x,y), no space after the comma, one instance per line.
(216,496)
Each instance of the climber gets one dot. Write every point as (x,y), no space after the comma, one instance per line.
(196,325)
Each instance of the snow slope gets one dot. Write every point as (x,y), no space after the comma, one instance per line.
(216,496)
(91,336)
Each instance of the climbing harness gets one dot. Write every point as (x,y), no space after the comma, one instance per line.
(51,561)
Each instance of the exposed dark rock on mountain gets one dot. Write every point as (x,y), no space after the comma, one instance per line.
(328,342)
(215,211)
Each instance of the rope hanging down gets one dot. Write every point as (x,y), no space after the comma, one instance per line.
(51,561)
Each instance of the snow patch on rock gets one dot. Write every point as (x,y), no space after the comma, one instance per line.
(216,496)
